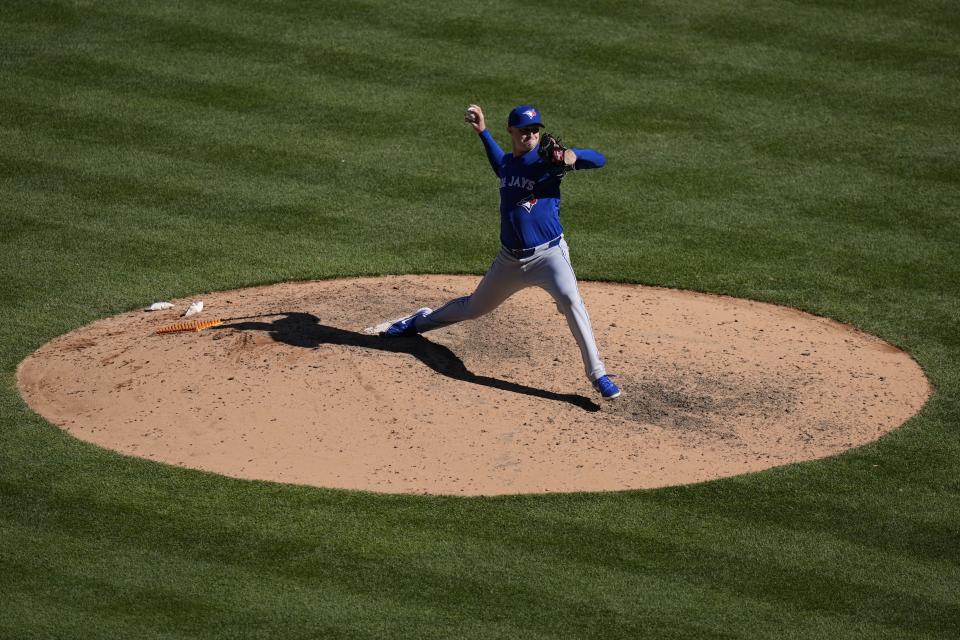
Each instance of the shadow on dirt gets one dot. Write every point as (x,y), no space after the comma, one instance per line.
(304,330)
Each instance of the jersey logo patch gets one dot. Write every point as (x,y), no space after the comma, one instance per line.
(528,204)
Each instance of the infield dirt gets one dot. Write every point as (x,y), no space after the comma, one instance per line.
(290,389)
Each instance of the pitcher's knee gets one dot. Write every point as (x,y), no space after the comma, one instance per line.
(567,302)
(471,310)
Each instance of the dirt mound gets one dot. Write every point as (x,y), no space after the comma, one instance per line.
(290,389)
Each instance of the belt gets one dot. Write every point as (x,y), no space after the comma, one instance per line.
(526,253)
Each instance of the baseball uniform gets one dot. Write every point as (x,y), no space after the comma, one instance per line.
(533,250)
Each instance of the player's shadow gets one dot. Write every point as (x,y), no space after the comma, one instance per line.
(304,330)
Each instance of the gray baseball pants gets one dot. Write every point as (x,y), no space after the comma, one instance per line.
(549,269)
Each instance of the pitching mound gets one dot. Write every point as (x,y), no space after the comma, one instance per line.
(290,389)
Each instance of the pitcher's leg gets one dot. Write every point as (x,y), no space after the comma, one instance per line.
(555,275)
(501,281)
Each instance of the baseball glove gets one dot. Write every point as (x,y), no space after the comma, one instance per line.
(552,150)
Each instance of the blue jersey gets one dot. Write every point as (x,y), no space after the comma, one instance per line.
(530,193)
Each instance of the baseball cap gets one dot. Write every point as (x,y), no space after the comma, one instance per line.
(524,116)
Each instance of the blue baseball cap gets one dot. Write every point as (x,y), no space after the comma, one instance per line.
(524,116)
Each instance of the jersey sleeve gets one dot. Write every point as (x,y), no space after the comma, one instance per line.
(494,152)
(589,159)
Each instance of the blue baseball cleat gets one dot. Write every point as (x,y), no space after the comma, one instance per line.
(606,387)
(406,326)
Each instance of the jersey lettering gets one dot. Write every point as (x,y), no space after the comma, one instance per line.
(517,181)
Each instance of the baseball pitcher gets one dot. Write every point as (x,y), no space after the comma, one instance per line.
(533,250)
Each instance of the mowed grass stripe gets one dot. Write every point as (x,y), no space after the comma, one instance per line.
(172,259)
(294,157)
(805,86)
(317,238)
(573,581)
(847,31)
(524,526)
(632,554)
(234,40)
(244,50)
(120,594)
(286,103)
(107,173)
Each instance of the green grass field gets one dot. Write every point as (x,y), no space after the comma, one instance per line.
(805,153)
